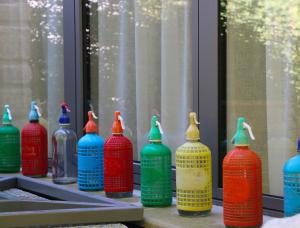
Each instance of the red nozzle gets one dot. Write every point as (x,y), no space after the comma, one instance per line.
(91,126)
(117,125)
(65,106)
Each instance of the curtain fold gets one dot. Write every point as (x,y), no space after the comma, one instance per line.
(145,66)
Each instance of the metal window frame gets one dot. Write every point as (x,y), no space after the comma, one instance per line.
(209,87)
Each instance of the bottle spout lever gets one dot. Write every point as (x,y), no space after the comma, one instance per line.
(94,115)
(38,110)
(159,127)
(247,126)
(122,122)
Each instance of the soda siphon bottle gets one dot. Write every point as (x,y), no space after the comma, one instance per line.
(64,149)
(291,188)
(90,157)
(118,162)
(34,143)
(193,173)
(242,182)
(156,180)
(9,144)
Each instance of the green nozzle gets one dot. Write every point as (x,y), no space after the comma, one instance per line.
(241,137)
(7,118)
(154,134)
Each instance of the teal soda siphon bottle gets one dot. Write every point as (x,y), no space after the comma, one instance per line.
(156,181)
(90,157)
(10,150)
(291,188)
(64,148)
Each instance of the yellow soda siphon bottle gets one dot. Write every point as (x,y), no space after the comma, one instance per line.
(193,174)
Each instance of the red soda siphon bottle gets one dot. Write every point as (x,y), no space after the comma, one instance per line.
(34,145)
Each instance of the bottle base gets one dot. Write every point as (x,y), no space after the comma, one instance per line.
(194,213)
(258,226)
(118,194)
(94,189)
(35,175)
(65,180)
(10,170)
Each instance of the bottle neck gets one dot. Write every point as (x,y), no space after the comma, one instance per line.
(117,134)
(193,140)
(33,121)
(64,125)
(154,142)
(242,146)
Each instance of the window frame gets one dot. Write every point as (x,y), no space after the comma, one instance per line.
(209,87)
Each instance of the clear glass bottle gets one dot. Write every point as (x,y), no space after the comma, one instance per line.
(64,147)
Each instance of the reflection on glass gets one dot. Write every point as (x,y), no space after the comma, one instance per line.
(31,58)
(141,65)
(263,79)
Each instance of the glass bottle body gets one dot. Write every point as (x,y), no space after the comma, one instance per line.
(64,148)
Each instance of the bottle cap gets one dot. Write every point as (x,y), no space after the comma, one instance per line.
(7,118)
(91,126)
(34,113)
(64,119)
(193,133)
(241,137)
(155,131)
(118,125)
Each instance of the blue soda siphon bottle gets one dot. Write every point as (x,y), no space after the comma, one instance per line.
(90,157)
(291,188)
(64,147)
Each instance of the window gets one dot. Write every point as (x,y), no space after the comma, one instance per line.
(31,58)
(141,64)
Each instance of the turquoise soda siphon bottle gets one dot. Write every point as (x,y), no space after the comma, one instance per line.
(90,157)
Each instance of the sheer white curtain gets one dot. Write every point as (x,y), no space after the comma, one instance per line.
(263,82)
(145,66)
(31,59)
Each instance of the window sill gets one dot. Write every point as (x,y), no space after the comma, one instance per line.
(166,217)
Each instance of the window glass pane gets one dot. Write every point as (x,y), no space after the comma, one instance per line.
(141,65)
(31,58)
(263,84)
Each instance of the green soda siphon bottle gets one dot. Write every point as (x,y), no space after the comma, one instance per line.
(9,144)
(156,181)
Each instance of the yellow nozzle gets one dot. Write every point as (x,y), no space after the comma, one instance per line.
(193,132)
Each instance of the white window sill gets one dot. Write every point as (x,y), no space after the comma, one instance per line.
(166,217)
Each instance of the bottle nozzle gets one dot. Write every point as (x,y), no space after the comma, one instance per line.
(34,114)
(64,119)
(91,126)
(193,132)
(7,117)
(118,125)
(241,138)
(155,131)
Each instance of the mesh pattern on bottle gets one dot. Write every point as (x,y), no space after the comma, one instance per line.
(34,150)
(9,151)
(90,168)
(118,165)
(243,198)
(291,194)
(158,191)
(190,157)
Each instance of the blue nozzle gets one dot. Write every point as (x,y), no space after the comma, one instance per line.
(64,118)
(34,113)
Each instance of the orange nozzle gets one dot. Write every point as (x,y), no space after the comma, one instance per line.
(117,127)
(91,126)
